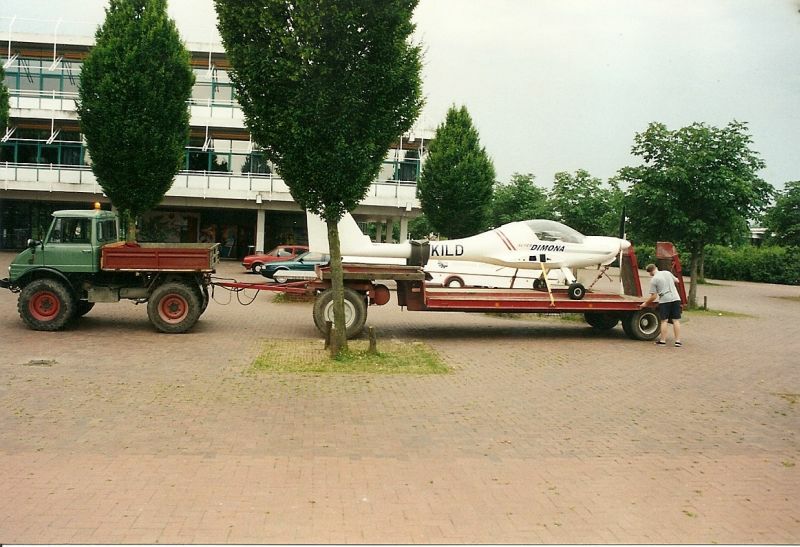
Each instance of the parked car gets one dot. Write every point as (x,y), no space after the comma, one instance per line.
(297,268)
(256,261)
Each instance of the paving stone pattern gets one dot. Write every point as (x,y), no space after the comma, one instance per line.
(544,431)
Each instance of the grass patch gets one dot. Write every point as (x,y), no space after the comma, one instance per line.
(309,356)
(700,312)
(292,298)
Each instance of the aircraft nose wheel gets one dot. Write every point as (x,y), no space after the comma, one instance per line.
(576,291)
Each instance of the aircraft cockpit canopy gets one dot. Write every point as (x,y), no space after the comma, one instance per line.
(550,230)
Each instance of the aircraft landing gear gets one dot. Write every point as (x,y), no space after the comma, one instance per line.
(576,291)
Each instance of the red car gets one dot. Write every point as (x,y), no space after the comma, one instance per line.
(255,262)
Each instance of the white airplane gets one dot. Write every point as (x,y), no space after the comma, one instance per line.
(529,244)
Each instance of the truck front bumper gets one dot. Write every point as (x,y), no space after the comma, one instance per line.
(5,284)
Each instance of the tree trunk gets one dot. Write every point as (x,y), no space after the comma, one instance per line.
(130,235)
(337,284)
(702,265)
(693,276)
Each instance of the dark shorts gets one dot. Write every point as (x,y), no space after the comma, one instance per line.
(670,310)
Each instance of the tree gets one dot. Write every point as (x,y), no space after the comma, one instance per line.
(133,93)
(520,199)
(4,106)
(455,186)
(783,218)
(698,185)
(581,201)
(326,86)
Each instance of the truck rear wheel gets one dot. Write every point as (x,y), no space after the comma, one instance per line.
(46,304)
(173,307)
(355,311)
(642,325)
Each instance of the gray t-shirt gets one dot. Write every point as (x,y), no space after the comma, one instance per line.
(663,284)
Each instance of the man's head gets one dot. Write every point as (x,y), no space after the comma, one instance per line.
(651,269)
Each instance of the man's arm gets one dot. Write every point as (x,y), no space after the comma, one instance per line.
(650,299)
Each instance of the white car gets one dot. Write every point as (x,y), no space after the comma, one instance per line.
(477,274)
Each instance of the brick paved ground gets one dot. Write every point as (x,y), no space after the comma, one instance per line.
(543,432)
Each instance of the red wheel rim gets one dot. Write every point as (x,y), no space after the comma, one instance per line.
(44,306)
(173,308)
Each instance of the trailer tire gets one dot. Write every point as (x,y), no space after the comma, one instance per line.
(83,307)
(454,281)
(355,311)
(642,325)
(173,307)
(46,304)
(576,291)
(601,320)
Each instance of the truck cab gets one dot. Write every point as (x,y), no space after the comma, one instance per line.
(72,244)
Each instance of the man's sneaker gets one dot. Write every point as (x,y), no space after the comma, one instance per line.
(661,343)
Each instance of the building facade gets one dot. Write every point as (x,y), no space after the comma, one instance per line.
(226,192)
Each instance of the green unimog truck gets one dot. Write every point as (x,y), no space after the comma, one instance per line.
(81,261)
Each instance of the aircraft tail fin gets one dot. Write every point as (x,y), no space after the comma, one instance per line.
(351,237)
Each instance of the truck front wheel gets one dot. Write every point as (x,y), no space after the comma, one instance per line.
(355,311)
(173,308)
(46,304)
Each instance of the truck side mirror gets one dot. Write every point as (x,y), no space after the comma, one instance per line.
(33,243)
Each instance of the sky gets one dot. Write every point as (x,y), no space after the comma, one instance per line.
(562,85)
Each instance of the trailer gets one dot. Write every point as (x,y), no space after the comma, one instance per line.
(365,286)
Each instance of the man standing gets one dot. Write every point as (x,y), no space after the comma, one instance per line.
(663,288)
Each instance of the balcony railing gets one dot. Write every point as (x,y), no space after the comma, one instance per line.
(201,184)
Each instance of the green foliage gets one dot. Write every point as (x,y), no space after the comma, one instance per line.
(783,218)
(4,97)
(325,86)
(132,104)
(697,185)
(455,186)
(520,199)
(420,228)
(581,202)
(767,264)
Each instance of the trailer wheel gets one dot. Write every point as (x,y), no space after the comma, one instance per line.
(601,321)
(83,307)
(46,304)
(355,311)
(173,307)
(576,291)
(454,281)
(642,325)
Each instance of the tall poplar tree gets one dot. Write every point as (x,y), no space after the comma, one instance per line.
(133,93)
(455,186)
(326,86)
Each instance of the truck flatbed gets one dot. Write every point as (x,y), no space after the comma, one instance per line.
(160,257)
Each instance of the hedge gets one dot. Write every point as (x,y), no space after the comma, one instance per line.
(767,264)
